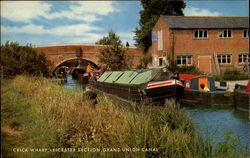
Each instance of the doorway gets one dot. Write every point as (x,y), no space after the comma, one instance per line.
(204,63)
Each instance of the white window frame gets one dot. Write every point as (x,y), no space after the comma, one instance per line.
(184,57)
(247,33)
(160,40)
(242,57)
(199,34)
(226,56)
(222,31)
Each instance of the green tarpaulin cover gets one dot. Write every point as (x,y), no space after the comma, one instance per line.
(129,77)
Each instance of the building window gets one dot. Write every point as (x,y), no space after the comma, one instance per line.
(184,59)
(160,40)
(243,58)
(225,34)
(246,34)
(160,61)
(200,34)
(154,36)
(224,58)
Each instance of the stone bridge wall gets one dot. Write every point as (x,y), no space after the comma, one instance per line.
(58,54)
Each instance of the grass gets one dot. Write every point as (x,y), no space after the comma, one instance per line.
(37,113)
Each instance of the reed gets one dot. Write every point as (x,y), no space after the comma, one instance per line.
(51,117)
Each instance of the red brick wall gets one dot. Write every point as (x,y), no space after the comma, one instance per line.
(185,44)
(160,25)
(59,53)
(135,55)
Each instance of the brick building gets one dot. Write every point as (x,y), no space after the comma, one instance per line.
(213,44)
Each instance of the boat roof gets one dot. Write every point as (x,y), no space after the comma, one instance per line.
(135,77)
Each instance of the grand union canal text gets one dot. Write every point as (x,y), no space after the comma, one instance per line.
(64,150)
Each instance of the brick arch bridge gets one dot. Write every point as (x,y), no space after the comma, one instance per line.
(57,54)
(76,58)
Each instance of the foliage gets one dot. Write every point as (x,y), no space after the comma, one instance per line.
(231,75)
(53,117)
(111,39)
(184,69)
(152,9)
(145,61)
(17,60)
(143,34)
(113,57)
(127,44)
(113,52)
(229,144)
(234,75)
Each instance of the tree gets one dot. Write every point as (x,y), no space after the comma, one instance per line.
(149,16)
(111,39)
(147,58)
(113,52)
(127,44)
(17,59)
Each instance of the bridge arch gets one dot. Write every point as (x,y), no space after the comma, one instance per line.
(57,54)
(72,58)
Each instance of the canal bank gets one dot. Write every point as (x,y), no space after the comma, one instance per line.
(56,117)
(213,122)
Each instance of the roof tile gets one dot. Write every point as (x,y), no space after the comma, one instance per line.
(185,22)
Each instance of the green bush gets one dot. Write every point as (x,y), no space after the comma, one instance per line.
(234,75)
(113,56)
(145,61)
(231,75)
(17,60)
(184,69)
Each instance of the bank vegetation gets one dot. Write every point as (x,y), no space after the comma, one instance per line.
(38,113)
(17,60)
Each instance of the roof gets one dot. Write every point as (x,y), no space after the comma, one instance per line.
(218,22)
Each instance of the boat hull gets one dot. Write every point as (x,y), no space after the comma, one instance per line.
(84,79)
(241,98)
(140,93)
(211,98)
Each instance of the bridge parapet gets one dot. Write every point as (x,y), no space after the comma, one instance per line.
(57,54)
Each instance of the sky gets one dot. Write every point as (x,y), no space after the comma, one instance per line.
(84,22)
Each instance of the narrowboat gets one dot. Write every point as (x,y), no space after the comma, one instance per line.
(153,86)
(201,90)
(77,72)
(90,76)
(85,77)
(242,96)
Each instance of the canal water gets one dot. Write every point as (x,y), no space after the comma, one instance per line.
(209,121)
(215,123)
(73,84)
